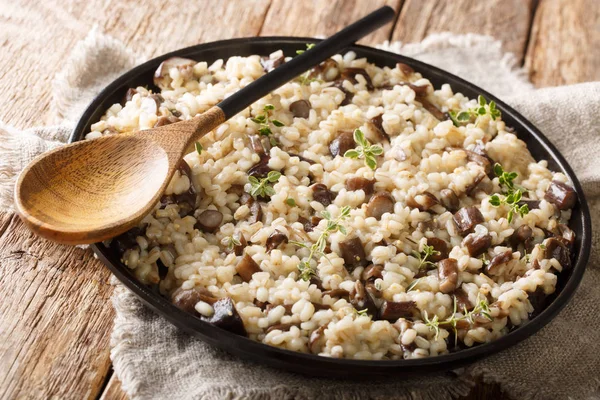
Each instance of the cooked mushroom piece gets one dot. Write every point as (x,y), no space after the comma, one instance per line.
(478,159)
(129,95)
(315,280)
(342,143)
(239,249)
(361,299)
(246,268)
(498,260)
(424,201)
(478,183)
(348,96)
(372,272)
(337,293)
(275,239)
(257,145)
(359,183)
(522,235)
(127,240)
(405,69)
(300,108)
(561,195)
(431,108)
(420,90)
(440,246)
(260,169)
(328,70)
(209,221)
(379,204)
(557,249)
(448,275)
(349,74)
(256,212)
(162,78)
(376,123)
(322,194)
(477,244)
(537,299)
(280,327)
(226,317)
(270,64)
(567,236)
(531,204)
(353,254)
(392,310)
(449,199)
(467,218)
(316,339)
(186,299)
(462,300)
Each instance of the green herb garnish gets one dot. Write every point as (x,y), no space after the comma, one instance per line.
(423,256)
(317,249)
(513,196)
(265,121)
(198,148)
(363,313)
(290,202)
(263,187)
(308,47)
(365,150)
(230,242)
(413,284)
(483,108)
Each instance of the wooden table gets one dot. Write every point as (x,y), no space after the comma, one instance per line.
(55,313)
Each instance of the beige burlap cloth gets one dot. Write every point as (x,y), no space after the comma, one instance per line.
(154,360)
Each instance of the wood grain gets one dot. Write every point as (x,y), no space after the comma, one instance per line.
(113,390)
(506,20)
(55,318)
(322,18)
(565,43)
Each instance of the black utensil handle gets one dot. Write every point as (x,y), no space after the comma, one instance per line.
(299,64)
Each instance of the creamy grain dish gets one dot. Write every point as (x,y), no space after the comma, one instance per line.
(356,212)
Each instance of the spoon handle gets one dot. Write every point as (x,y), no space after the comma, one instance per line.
(299,64)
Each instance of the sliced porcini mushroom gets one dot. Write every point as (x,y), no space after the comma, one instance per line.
(361,299)
(238,249)
(320,306)
(420,90)
(433,110)
(317,339)
(561,195)
(257,145)
(280,327)
(427,226)
(328,70)
(315,280)
(531,204)
(393,310)
(343,142)
(372,272)
(372,290)
(440,246)
(256,212)
(186,200)
(162,79)
(309,224)
(477,244)
(270,64)
(566,235)
(359,183)
(462,300)
(349,74)
(186,299)
(127,240)
(557,249)
(261,169)
(236,189)
(480,160)
(353,253)
(448,275)
(348,96)
(341,293)
(405,69)
(467,218)
(449,200)
(301,158)
(247,267)
(478,183)
(209,221)
(376,125)
(537,299)
(379,204)
(287,307)
(499,259)
(424,201)
(162,121)
(522,235)
(226,317)
(300,108)
(275,239)
(322,194)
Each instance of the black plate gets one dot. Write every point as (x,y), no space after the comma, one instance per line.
(539,146)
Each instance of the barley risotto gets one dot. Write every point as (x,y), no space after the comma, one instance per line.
(356,212)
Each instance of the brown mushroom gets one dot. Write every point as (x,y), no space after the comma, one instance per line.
(261,168)
(209,221)
(522,235)
(349,74)
(275,239)
(186,299)
(328,70)
(337,293)
(316,339)
(462,300)
(405,69)
(361,299)
(431,108)
(247,267)
(566,235)
(379,204)
(359,183)
(392,310)
(226,317)
(348,96)
(448,275)
(257,145)
(561,195)
(499,259)
(270,64)
(372,290)
(423,202)
(440,246)
(376,125)
(372,272)
(300,108)
(309,224)
(320,306)
(420,90)
(343,142)
(449,199)
(478,183)
(256,212)
(477,244)
(353,253)
(239,249)
(480,160)
(322,194)
(162,78)
(280,327)
(557,249)
(531,204)
(127,240)
(467,218)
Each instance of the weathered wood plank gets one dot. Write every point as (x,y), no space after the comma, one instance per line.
(506,20)
(113,390)
(55,317)
(563,47)
(29,64)
(322,17)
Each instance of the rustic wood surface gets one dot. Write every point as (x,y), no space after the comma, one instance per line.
(55,314)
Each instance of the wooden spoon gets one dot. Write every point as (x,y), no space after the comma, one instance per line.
(93,190)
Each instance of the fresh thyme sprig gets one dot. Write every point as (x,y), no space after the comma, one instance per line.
(263,187)
(413,284)
(265,121)
(365,150)
(423,256)
(482,108)
(317,249)
(513,195)
(198,147)
(308,47)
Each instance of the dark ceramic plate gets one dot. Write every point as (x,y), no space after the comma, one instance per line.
(539,146)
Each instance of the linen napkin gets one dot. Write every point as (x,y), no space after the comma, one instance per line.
(154,360)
